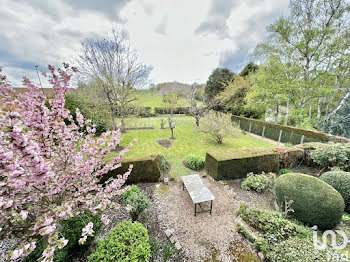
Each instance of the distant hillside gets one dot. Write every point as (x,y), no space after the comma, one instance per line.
(176,87)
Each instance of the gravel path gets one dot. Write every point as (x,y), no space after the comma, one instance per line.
(205,237)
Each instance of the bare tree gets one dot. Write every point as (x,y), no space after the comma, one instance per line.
(115,66)
(171,100)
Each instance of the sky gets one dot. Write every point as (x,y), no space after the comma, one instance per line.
(183,40)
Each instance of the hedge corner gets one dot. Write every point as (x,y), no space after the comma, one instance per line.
(236,163)
(145,169)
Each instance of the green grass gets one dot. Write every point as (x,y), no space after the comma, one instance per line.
(187,141)
(153,99)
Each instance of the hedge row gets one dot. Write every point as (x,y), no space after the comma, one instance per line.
(290,134)
(237,163)
(176,110)
(145,169)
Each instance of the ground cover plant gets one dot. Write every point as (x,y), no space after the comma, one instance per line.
(194,162)
(49,169)
(137,200)
(187,141)
(258,182)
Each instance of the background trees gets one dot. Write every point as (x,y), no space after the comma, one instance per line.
(216,82)
(311,41)
(115,68)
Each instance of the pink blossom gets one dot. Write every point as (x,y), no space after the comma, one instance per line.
(52,169)
(105,219)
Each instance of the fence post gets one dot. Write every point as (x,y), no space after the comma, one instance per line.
(239,123)
(279,138)
(302,139)
(250,127)
(263,132)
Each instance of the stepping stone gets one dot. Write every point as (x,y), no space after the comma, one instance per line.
(172,240)
(169,232)
(178,246)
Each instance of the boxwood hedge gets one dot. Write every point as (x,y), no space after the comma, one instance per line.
(314,201)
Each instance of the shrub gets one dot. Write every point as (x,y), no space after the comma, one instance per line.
(154,245)
(345,218)
(126,242)
(284,171)
(195,162)
(341,182)
(164,164)
(314,201)
(258,183)
(219,125)
(139,202)
(271,223)
(302,250)
(332,155)
(71,230)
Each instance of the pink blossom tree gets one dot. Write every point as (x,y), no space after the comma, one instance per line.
(50,170)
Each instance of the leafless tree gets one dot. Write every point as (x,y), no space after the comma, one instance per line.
(115,66)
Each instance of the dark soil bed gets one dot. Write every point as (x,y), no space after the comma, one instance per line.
(308,170)
(164,143)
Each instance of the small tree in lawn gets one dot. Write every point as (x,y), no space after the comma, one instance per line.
(218,125)
(50,170)
(171,101)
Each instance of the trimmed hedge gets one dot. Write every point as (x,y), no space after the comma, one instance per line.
(314,201)
(237,163)
(290,134)
(176,110)
(145,169)
(340,180)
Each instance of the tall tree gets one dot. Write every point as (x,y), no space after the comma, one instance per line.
(216,82)
(116,68)
(314,38)
(250,68)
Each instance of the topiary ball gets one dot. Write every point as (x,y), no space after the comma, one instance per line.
(314,201)
(126,242)
(340,180)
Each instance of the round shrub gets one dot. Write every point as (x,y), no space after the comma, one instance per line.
(314,201)
(341,182)
(194,162)
(126,242)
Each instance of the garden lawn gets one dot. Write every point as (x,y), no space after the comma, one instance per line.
(188,140)
(152,98)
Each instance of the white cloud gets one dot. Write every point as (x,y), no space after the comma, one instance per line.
(183,40)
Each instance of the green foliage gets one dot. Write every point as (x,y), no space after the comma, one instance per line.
(250,68)
(168,250)
(154,245)
(98,117)
(271,224)
(314,201)
(257,182)
(128,241)
(216,81)
(71,230)
(332,155)
(171,110)
(341,182)
(345,218)
(302,250)
(164,163)
(162,123)
(139,202)
(194,162)
(233,97)
(218,125)
(283,171)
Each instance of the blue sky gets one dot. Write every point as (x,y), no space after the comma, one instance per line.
(182,40)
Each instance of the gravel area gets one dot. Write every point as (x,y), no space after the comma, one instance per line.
(205,237)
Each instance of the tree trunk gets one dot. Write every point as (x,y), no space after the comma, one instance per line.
(197,120)
(287,114)
(319,104)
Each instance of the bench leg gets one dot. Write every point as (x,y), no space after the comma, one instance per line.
(183,186)
(195,210)
(211,206)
